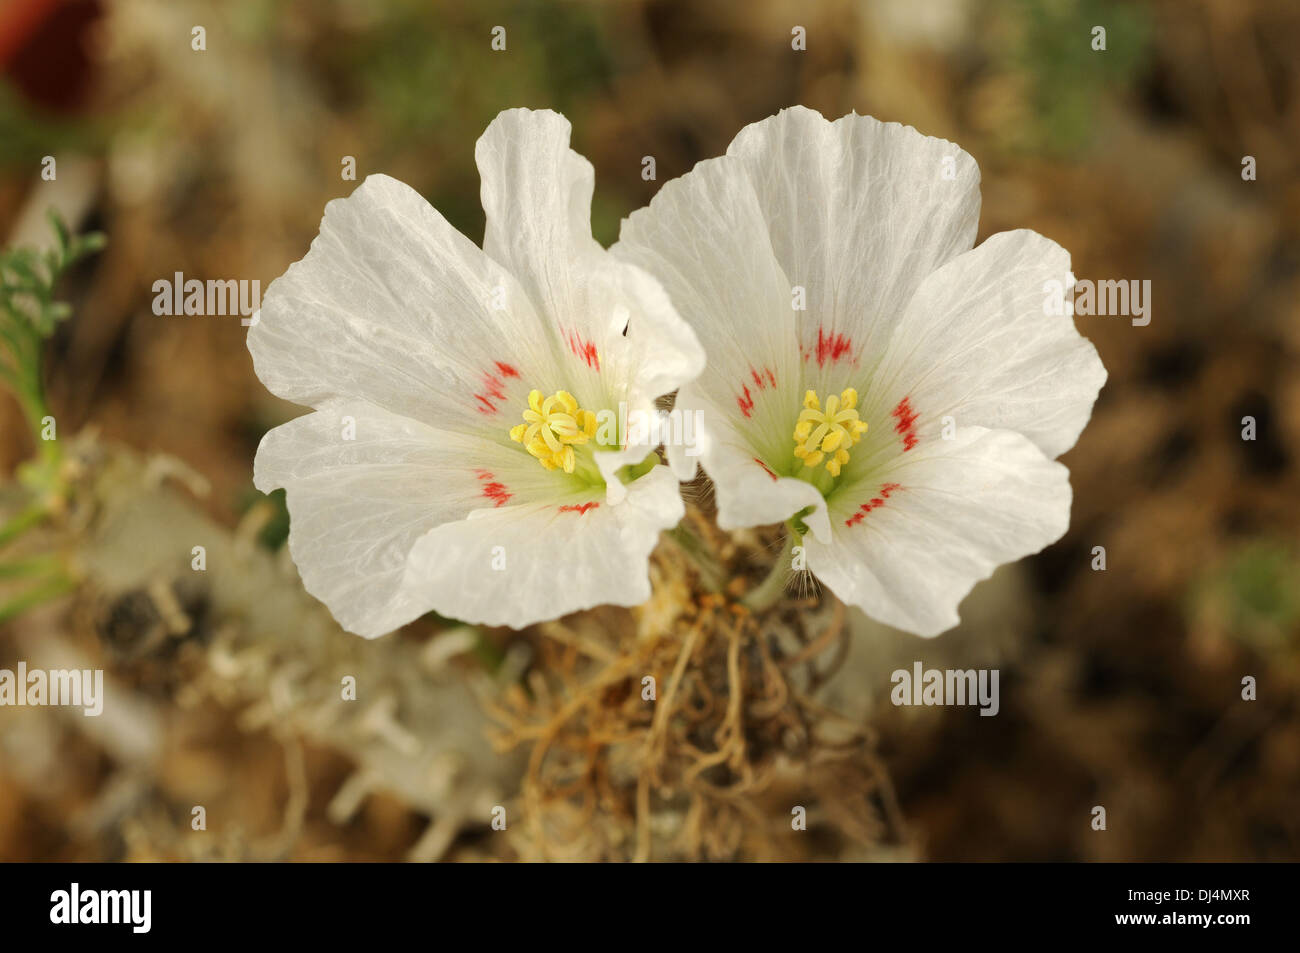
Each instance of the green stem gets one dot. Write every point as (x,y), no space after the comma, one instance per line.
(35,409)
(768,592)
(489,655)
(31,566)
(24,521)
(52,587)
(711,571)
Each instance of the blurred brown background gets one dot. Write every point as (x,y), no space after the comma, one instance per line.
(1120,688)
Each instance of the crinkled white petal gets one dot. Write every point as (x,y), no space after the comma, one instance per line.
(858,212)
(363,484)
(704,237)
(393,306)
(960,508)
(975,344)
(622,341)
(536,193)
(552,561)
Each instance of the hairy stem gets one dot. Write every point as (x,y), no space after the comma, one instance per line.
(712,573)
(768,592)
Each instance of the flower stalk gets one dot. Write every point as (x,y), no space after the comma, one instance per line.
(770,591)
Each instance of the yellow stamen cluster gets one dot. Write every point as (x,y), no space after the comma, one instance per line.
(553,427)
(827,435)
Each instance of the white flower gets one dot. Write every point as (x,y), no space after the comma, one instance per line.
(451,463)
(872,226)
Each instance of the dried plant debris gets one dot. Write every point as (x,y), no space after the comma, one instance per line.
(187,610)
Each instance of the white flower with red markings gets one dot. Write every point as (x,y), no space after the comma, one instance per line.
(453,462)
(895,393)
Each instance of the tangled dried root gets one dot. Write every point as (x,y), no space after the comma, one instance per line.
(700,740)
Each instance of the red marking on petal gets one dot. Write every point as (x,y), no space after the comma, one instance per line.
(494,491)
(906,423)
(579,508)
(832,347)
(582,347)
(762,381)
(875,502)
(493,392)
(766,468)
(746,403)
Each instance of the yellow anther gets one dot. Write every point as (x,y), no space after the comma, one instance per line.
(552,427)
(827,434)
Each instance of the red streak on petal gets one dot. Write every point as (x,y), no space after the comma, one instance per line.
(763,380)
(578,508)
(746,403)
(766,469)
(494,491)
(493,392)
(832,347)
(906,423)
(874,503)
(583,348)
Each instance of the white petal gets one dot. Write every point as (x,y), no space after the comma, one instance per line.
(658,354)
(536,193)
(357,506)
(975,344)
(393,306)
(703,236)
(619,337)
(555,561)
(859,212)
(908,554)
